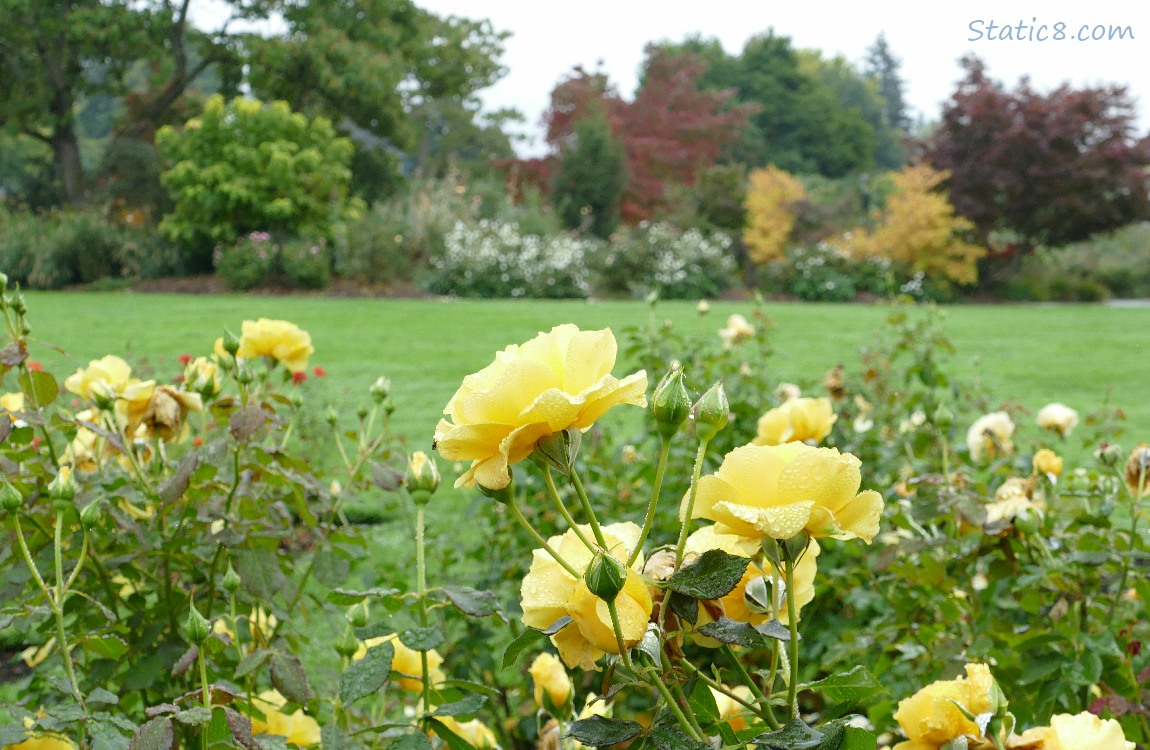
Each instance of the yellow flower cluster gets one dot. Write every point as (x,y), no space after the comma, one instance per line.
(280,340)
(804,420)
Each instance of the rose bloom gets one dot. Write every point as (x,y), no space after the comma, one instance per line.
(12,401)
(549,592)
(780,490)
(299,728)
(737,330)
(1046,461)
(549,676)
(990,435)
(1077,732)
(407,663)
(284,342)
(556,381)
(796,419)
(1058,418)
(106,377)
(42,740)
(731,711)
(474,732)
(167,409)
(202,375)
(930,718)
(1138,471)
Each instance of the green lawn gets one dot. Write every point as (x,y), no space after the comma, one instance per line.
(1081,355)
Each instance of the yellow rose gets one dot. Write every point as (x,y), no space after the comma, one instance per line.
(930,718)
(407,663)
(42,740)
(1078,732)
(989,436)
(1058,418)
(796,419)
(737,330)
(474,732)
(12,401)
(1046,461)
(556,381)
(550,677)
(1010,499)
(778,491)
(731,711)
(299,728)
(549,593)
(105,377)
(202,375)
(284,342)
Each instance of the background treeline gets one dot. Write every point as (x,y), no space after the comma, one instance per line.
(135,144)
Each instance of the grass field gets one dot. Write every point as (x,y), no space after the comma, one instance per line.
(1081,355)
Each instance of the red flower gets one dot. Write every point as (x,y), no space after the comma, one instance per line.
(35,366)
(298,377)
(320,372)
(197,441)
(185,359)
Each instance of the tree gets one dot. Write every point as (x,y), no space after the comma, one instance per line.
(881,66)
(1051,169)
(771,215)
(855,92)
(592,175)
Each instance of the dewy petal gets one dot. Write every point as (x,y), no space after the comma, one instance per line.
(590,355)
(753,472)
(552,407)
(779,522)
(504,401)
(823,475)
(545,591)
(574,649)
(610,393)
(860,517)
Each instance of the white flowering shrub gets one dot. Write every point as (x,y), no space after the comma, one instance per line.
(494,259)
(678,264)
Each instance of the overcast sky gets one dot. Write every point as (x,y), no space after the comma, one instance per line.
(549,38)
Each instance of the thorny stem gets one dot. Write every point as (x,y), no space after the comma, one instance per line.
(664,452)
(689,726)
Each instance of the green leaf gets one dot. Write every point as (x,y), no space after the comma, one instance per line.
(471,602)
(347,597)
(104,736)
(252,662)
(685,607)
(421,639)
(333,737)
(331,569)
(367,675)
(556,626)
(522,642)
(453,740)
(668,735)
(794,735)
(413,741)
(599,731)
(702,703)
(288,677)
(464,707)
(12,734)
(156,734)
(195,716)
(851,687)
(713,575)
(239,726)
(259,569)
(177,485)
(103,697)
(40,387)
(744,634)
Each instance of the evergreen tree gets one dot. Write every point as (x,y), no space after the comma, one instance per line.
(881,66)
(592,175)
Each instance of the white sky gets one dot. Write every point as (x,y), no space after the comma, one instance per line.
(928,38)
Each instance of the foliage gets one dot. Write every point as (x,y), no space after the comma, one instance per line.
(882,67)
(493,259)
(245,166)
(771,215)
(918,228)
(1118,263)
(1051,169)
(27,175)
(245,263)
(306,264)
(60,248)
(592,176)
(658,258)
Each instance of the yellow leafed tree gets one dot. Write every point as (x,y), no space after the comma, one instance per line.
(771,196)
(918,227)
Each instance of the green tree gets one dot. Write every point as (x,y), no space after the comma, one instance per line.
(591,178)
(246,166)
(858,94)
(881,66)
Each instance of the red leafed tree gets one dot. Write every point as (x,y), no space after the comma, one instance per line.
(670,132)
(1052,168)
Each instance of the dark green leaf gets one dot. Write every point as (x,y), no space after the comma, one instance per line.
(685,607)
(288,677)
(102,697)
(259,569)
(851,687)
(195,716)
(252,662)
(599,731)
(421,639)
(522,642)
(855,738)
(184,663)
(471,602)
(744,634)
(463,707)
(453,740)
(40,387)
(240,727)
(794,735)
(702,703)
(713,575)
(177,485)
(367,675)
(668,735)
(556,626)
(347,597)
(12,734)
(414,741)
(333,737)
(156,734)
(331,569)
(104,736)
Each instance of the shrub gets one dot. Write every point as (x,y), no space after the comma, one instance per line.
(246,166)
(245,263)
(493,259)
(771,200)
(306,264)
(658,257)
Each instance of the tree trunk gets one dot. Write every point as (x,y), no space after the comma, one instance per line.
(67,150)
